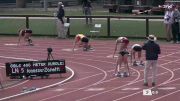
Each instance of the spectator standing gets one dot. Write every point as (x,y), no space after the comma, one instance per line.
(60,21)
(87,10)
(152,50)
(175,24)
(168,22)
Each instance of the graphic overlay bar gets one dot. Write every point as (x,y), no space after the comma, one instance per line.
(147,92)
(35,68)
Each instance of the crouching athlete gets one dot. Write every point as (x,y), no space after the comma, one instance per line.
(122,42)
(26,35)
(136,49)
(82,41)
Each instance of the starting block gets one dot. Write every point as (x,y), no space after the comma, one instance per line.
(30,40)
(70,50)
(122,74)
(30,43)
(138,63)
(26,89)
(1,85)
(88,49)
(111,56)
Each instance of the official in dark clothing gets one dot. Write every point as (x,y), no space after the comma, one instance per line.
(60,21)
(61,12)
(152,50)
(175,24)
(87,10)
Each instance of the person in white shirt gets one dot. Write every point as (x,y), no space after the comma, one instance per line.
(175,24)
(168,22)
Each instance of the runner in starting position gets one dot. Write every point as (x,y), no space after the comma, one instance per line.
(136,49)
(82,41)
(26,34)
(123,54)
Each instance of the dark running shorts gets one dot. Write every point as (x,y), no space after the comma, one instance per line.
(85,39)
(28,31)
(123,53)
(137,48)
(23,33)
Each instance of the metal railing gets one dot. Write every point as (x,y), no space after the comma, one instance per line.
(108,20)
(147,18)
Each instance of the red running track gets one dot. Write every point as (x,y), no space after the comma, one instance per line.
(93,79)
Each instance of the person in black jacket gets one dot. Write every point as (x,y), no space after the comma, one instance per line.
(87,9)
(152,50)
(175,24)
(60,21)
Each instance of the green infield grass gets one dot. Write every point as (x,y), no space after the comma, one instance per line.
(48,26)
(118,27)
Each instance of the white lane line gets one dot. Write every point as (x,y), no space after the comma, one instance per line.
(131,88)
(104,77)
(172,74)
(165,95)
(70,92)
(2,67)
(113,88)
(167,88)
(10,44)
(93,76)
(168,93)
(15,85)
(116,88)
(104,72)
(58,90)
(80,55)
(152,87)
(70,49)
(78,89)
(39,89)
(111,56)
(17,58)
(132,82)
(90,77)
(105,56)
(42,88)
(169,54)
(94,89)
(160,84)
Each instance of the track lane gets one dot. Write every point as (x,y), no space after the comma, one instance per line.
(166,56)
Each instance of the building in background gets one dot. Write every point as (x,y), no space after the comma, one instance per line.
(129,5)
(50,3)
(126,6)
